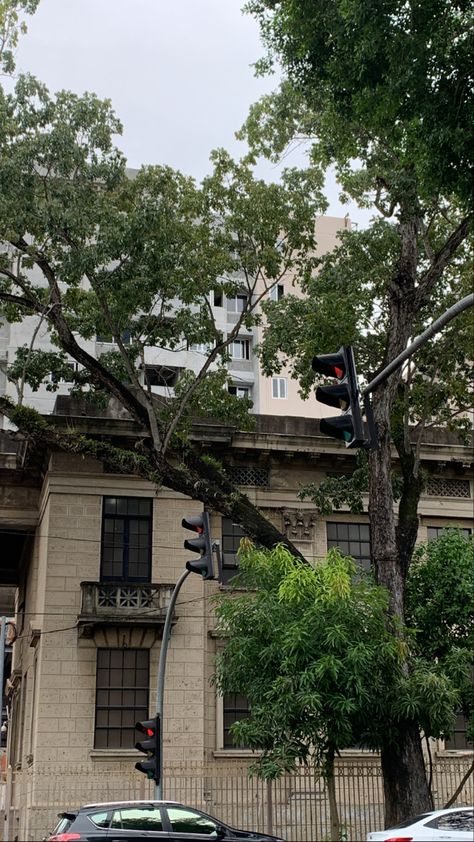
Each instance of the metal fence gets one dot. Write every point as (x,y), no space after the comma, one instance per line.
(295,807)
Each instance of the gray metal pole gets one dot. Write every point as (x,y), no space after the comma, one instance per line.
(3,634)
(420,340)
(161,680)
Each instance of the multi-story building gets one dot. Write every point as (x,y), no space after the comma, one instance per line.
(92,558)
(162,366)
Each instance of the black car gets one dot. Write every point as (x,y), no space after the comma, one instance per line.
(124,821)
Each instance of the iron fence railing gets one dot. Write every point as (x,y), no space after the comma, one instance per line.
(295,807)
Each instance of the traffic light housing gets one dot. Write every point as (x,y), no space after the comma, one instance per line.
(344,395)
(203,545)
(149,746)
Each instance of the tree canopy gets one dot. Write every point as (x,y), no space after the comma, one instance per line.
(314,652)
(92,250)
(384,93)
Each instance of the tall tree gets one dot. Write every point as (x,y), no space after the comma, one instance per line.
(313,651)
(88,250)
(384,92)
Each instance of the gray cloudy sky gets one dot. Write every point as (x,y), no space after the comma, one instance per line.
(178,73)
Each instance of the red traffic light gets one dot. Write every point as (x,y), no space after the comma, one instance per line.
(332,365)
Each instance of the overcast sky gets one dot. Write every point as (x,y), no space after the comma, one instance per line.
(179,73)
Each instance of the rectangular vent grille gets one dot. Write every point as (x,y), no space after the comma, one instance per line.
(248,476)
(437,487)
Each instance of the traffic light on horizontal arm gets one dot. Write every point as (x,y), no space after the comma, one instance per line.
(202,545)
(343,395)
(150,728)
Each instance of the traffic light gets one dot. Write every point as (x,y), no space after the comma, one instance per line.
(150,746)
(203,545)
(343,395)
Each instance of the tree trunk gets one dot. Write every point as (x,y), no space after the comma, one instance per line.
(404,776)
(331,787)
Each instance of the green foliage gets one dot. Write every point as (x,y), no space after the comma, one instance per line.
(11,26)
(142,254)
(440,607)
(387,83)
(312,650)
(440,594)
(339,491)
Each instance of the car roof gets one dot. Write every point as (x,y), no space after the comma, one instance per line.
(141,802)
(450,810)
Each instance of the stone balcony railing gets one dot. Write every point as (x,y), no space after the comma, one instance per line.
(120,603)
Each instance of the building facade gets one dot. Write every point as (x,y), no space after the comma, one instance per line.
(94,557)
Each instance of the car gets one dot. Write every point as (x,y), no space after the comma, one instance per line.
(453,823)
(124,821)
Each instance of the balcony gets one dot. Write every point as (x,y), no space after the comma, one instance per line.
(123,604)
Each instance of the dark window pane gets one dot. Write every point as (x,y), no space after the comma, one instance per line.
(126,539)
(122,696)
(353,539)
(236,707)
(121,505)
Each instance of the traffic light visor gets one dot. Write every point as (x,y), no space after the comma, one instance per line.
(194,523)
(337,396)
(332,365)
(340,427)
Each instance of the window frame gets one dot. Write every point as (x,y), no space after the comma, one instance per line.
(277,292)
(231,535)
(277,383)
(244,344)
(125,566)
(362,561)
(234,389)
(235,712)
(140,712)
(233,302)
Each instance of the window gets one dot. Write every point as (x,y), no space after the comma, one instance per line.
(279,389)
(240,349)
(460,820)
(126,539)
(138,818)
(184,820)
(458,740)
(100,819)
(217,298)
(121,696)
(73,367)
(236,707)
(161,375)
(277,292)
(239,391)
(436,531)
(353,539)
(231,535)
(238,303)
(202,347)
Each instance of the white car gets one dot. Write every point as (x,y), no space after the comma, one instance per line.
(455,823)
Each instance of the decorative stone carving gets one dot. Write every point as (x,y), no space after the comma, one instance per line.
(299,524)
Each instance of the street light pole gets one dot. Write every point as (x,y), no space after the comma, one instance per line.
(161,681)
(420,340)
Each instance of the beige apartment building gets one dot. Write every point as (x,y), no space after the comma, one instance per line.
(94,557)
